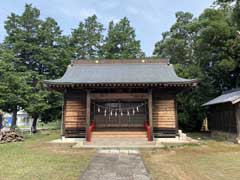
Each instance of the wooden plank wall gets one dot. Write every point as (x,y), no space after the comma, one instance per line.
(164,112)
(222,118)
(75,113)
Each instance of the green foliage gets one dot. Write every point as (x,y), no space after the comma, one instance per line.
(121,41)
(37,98)
(87,39)
(226,65)
(38,44)
(35,50)
(13,84)
(40,52)
(53,113)
(88,42)
(206,48)
(177,44)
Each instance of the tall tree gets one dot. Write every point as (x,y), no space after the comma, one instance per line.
(205,48)
(13,86)
(87,39)
(121,41)
(213,49)
(178,43)
(41,50)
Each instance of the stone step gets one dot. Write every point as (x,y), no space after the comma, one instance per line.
(118,151)
(120,136)
(120,140)
(120,144)
(118,132)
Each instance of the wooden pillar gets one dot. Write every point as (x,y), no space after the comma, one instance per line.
(237,113)
(88,109)
(63,113)
(150,112)
(176,114)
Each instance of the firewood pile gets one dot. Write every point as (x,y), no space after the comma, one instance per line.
(9,136)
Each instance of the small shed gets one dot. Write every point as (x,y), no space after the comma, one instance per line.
(224,113)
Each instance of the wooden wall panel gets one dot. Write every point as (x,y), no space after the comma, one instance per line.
(164,112)
(75,113)
(222,117)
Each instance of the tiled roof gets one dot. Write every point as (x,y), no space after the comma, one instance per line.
(92,73)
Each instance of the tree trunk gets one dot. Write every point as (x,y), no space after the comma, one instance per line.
(34,124)
(14,119)
(1,120)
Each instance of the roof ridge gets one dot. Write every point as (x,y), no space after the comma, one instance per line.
(231,91)
(130,64)
(122,61)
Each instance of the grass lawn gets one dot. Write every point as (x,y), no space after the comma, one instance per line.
(41,125)
(36,159)
(211,160)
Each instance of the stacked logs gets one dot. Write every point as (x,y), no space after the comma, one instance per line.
(9,136)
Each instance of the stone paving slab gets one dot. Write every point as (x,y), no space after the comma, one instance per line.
(116,166)
(119,144)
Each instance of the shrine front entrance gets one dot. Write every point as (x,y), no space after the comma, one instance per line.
(119,114)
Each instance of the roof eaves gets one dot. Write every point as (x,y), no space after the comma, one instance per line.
(230,101)
(235,101)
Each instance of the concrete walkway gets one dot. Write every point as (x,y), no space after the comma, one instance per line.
(116,165)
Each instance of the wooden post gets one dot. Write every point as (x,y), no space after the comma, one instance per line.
(176,114)
(88,103)
(150,113)
(237,113)
(62,118)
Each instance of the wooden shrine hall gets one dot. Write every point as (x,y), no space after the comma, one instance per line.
(120,95)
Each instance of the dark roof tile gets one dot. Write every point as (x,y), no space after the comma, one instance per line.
(120,73)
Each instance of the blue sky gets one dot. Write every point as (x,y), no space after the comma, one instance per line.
(149,17)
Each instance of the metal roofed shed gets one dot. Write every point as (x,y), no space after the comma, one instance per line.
(229,96)
(224,113)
